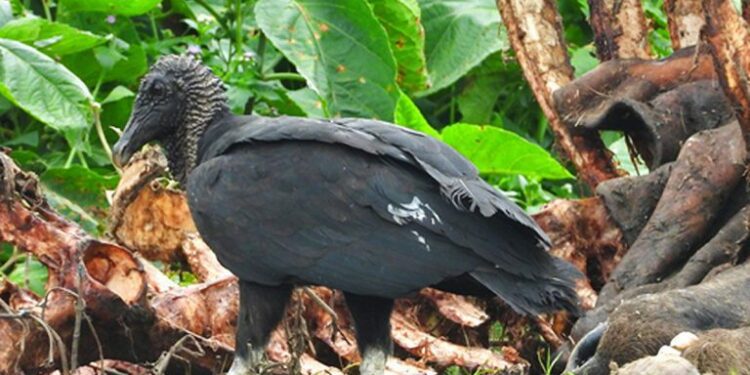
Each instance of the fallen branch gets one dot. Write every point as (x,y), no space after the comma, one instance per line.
(409,337)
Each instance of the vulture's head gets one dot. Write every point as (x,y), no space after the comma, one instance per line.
(177,101)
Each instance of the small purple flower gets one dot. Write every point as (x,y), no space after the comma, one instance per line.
(111,19)
(193,49)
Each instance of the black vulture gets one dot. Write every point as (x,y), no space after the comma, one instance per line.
(376,210)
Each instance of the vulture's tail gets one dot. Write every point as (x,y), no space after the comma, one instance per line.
(544,293)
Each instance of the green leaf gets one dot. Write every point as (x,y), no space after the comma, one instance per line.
(483,88)
(123,7)
(117,94)
(460,34)
(34,272)
(408,115)
(28,139)
(126,70)
(498,151)
(116,114)
(272,99)
(124,58)
(583,5)
(583,59)
(310,102)
(44,88)
(52,38)
(340,49)
(401,19)
(81,185)
(29,161)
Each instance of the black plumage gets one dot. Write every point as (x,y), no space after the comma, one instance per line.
(374,209)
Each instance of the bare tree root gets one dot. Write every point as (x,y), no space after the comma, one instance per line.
(535,32)
(728,36)
(630,201)
(709,166)
(724,248)
(582,101)
(620,29)
(640,326)
(657,114)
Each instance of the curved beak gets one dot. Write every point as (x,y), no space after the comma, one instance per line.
(121,154)
(137,133)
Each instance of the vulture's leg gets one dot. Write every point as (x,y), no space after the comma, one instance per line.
(372,320)
(261,309)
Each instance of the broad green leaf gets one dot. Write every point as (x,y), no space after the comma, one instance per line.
(29,139)
(44,88)
(459,34)
(81,185)
(237,96)
(124,57)
(29,161)
(116,114)
(498,151)
(117,94)
(483,87)
(340,49)
(52,38)
(401,19)
(271,98)
(192,9)
(32,271)
(310,102)
(123,7)
(583,59)
(408,115)
(126,70)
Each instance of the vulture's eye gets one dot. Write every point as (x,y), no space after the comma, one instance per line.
(158,89)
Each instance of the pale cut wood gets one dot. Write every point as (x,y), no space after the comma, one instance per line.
(685,20)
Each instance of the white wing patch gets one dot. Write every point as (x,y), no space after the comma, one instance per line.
(414,210)
(421,240)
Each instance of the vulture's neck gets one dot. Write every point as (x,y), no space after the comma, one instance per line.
(205,106)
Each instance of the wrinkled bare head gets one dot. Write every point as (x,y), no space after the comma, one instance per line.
(177,100)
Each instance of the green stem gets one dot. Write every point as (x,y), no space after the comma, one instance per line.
(213,12)
(261,52)
(82,159)
(71,155)
(47,13)
(284,76)
(97,110)
(98,84)
(154,30)
(238,28)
